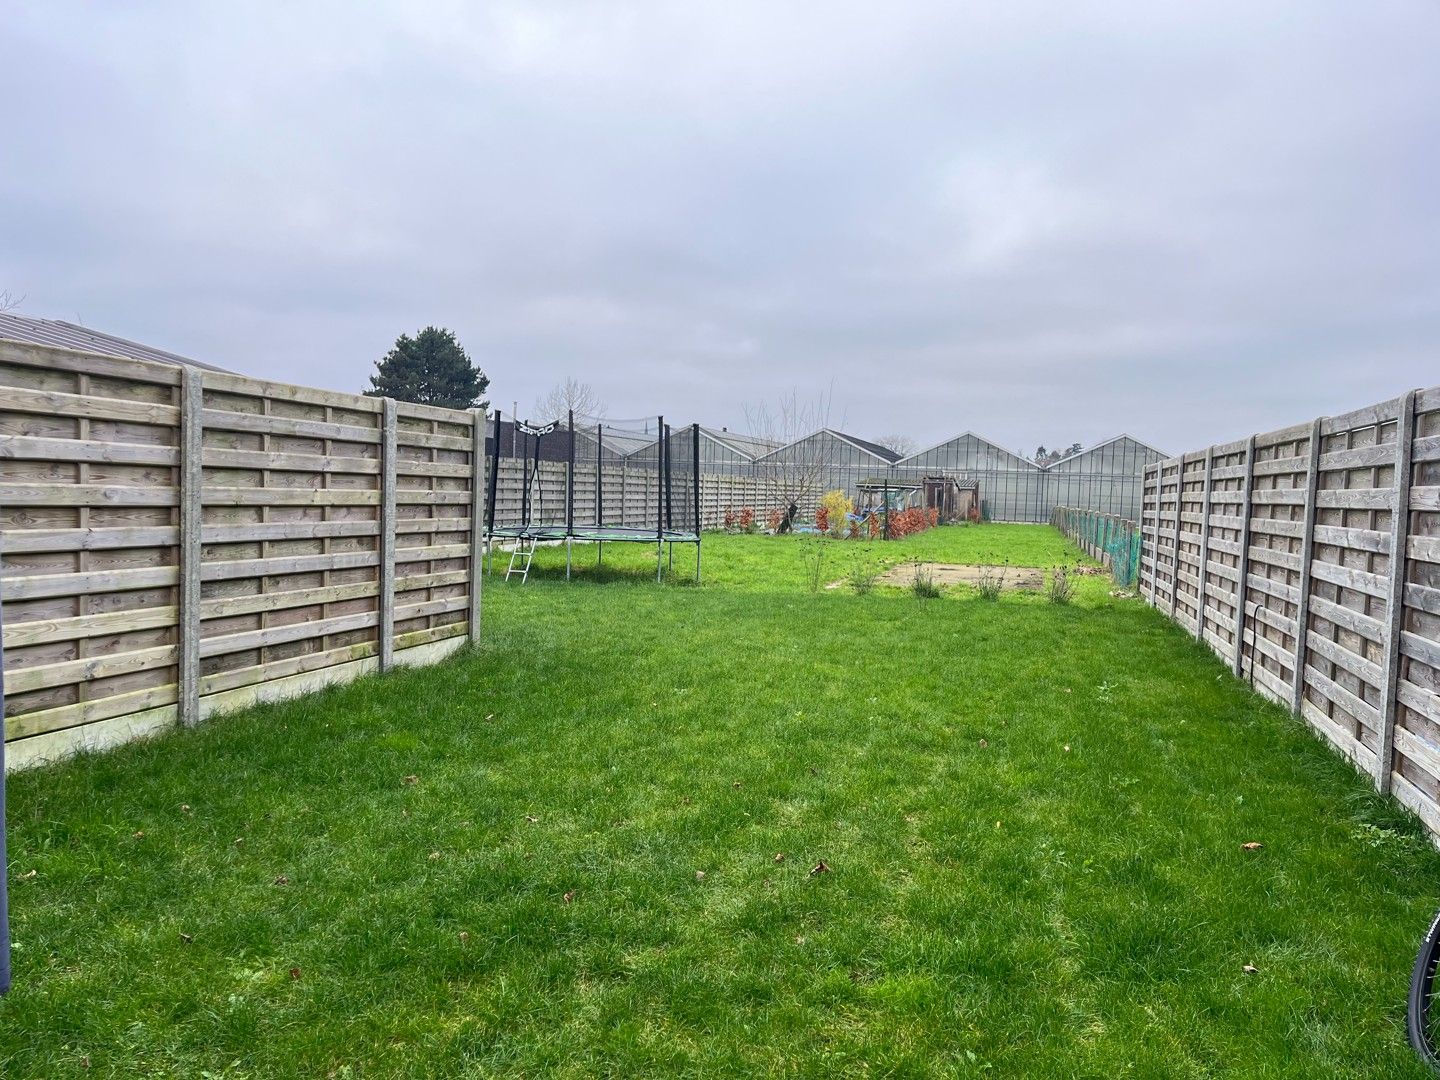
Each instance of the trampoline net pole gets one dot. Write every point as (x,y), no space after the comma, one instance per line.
(669,490)
(570,478)
(494,472)
(660,481)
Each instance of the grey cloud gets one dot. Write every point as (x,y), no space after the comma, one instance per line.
(1042,222)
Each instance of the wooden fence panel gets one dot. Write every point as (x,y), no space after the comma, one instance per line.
(1334,529)
(89,504)
(166,528)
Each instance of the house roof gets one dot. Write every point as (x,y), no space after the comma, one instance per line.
(68,335)
(883,452)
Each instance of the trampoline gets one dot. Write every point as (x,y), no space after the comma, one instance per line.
(598,481)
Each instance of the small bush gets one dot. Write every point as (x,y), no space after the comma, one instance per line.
(814,556)
(729,519)
(747,520)
(924,585)
(836,507)
(1061,588)
(862,578)
(992,580)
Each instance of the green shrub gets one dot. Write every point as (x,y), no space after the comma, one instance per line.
(924,585)
(1061,588)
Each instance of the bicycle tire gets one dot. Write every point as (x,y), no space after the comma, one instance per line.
(1422,986)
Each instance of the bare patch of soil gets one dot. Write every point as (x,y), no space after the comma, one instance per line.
(1015,577)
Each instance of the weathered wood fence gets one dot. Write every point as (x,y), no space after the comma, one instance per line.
(178,542)
(1309,560)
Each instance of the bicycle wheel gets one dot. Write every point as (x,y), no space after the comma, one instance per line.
(1422,1023)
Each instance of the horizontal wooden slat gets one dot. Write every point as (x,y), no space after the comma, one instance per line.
(27,448)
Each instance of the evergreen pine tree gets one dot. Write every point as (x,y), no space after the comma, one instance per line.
(429,369)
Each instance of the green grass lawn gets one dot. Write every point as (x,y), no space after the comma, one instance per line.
(588,848)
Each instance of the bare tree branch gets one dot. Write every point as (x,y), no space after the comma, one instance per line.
(903,445)
(795,475)
(568,395)
(9,301)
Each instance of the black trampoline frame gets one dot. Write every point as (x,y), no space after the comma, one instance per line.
(662,535)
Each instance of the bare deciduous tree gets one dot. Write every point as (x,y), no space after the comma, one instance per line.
(796,474)
(568,395)
(903,445)
(9,301)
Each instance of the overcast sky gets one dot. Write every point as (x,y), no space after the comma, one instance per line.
(1045,222)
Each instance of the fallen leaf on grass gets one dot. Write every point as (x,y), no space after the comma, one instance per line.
(282,880)
(532,819)
(1253,845)
(779,856)
(188,939)
(736,784)
(412,779)
(28,875)
(569,896)
(239,840)
(139,834)
(822,867)
(185,808)
(295,973)
(799,939)
(490,716)
(1067,748)
(434,855)
(699,875)
(464,937)
(984,743)
(1250,969)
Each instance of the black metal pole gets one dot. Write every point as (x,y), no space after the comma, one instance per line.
(4,863)
(524,478)
(669,487)
(599,475)
(660,484)
(695,475)
(885,505)
(570,481)
(535,474)
(494,472)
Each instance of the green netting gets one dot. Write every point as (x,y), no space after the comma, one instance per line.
(1113,540)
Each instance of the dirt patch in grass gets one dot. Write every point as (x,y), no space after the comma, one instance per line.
(1016,577)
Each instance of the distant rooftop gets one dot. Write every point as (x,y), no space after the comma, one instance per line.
(68,335)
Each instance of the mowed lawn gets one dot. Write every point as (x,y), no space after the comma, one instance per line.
(739,828)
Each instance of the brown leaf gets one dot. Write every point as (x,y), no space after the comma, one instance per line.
(282,880)
(139,834)
(295,973)
(569,896)
(412,779)
(779,856)
(1253,845)
(821,867)
(185,808)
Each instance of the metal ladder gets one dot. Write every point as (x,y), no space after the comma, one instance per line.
(521,555)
